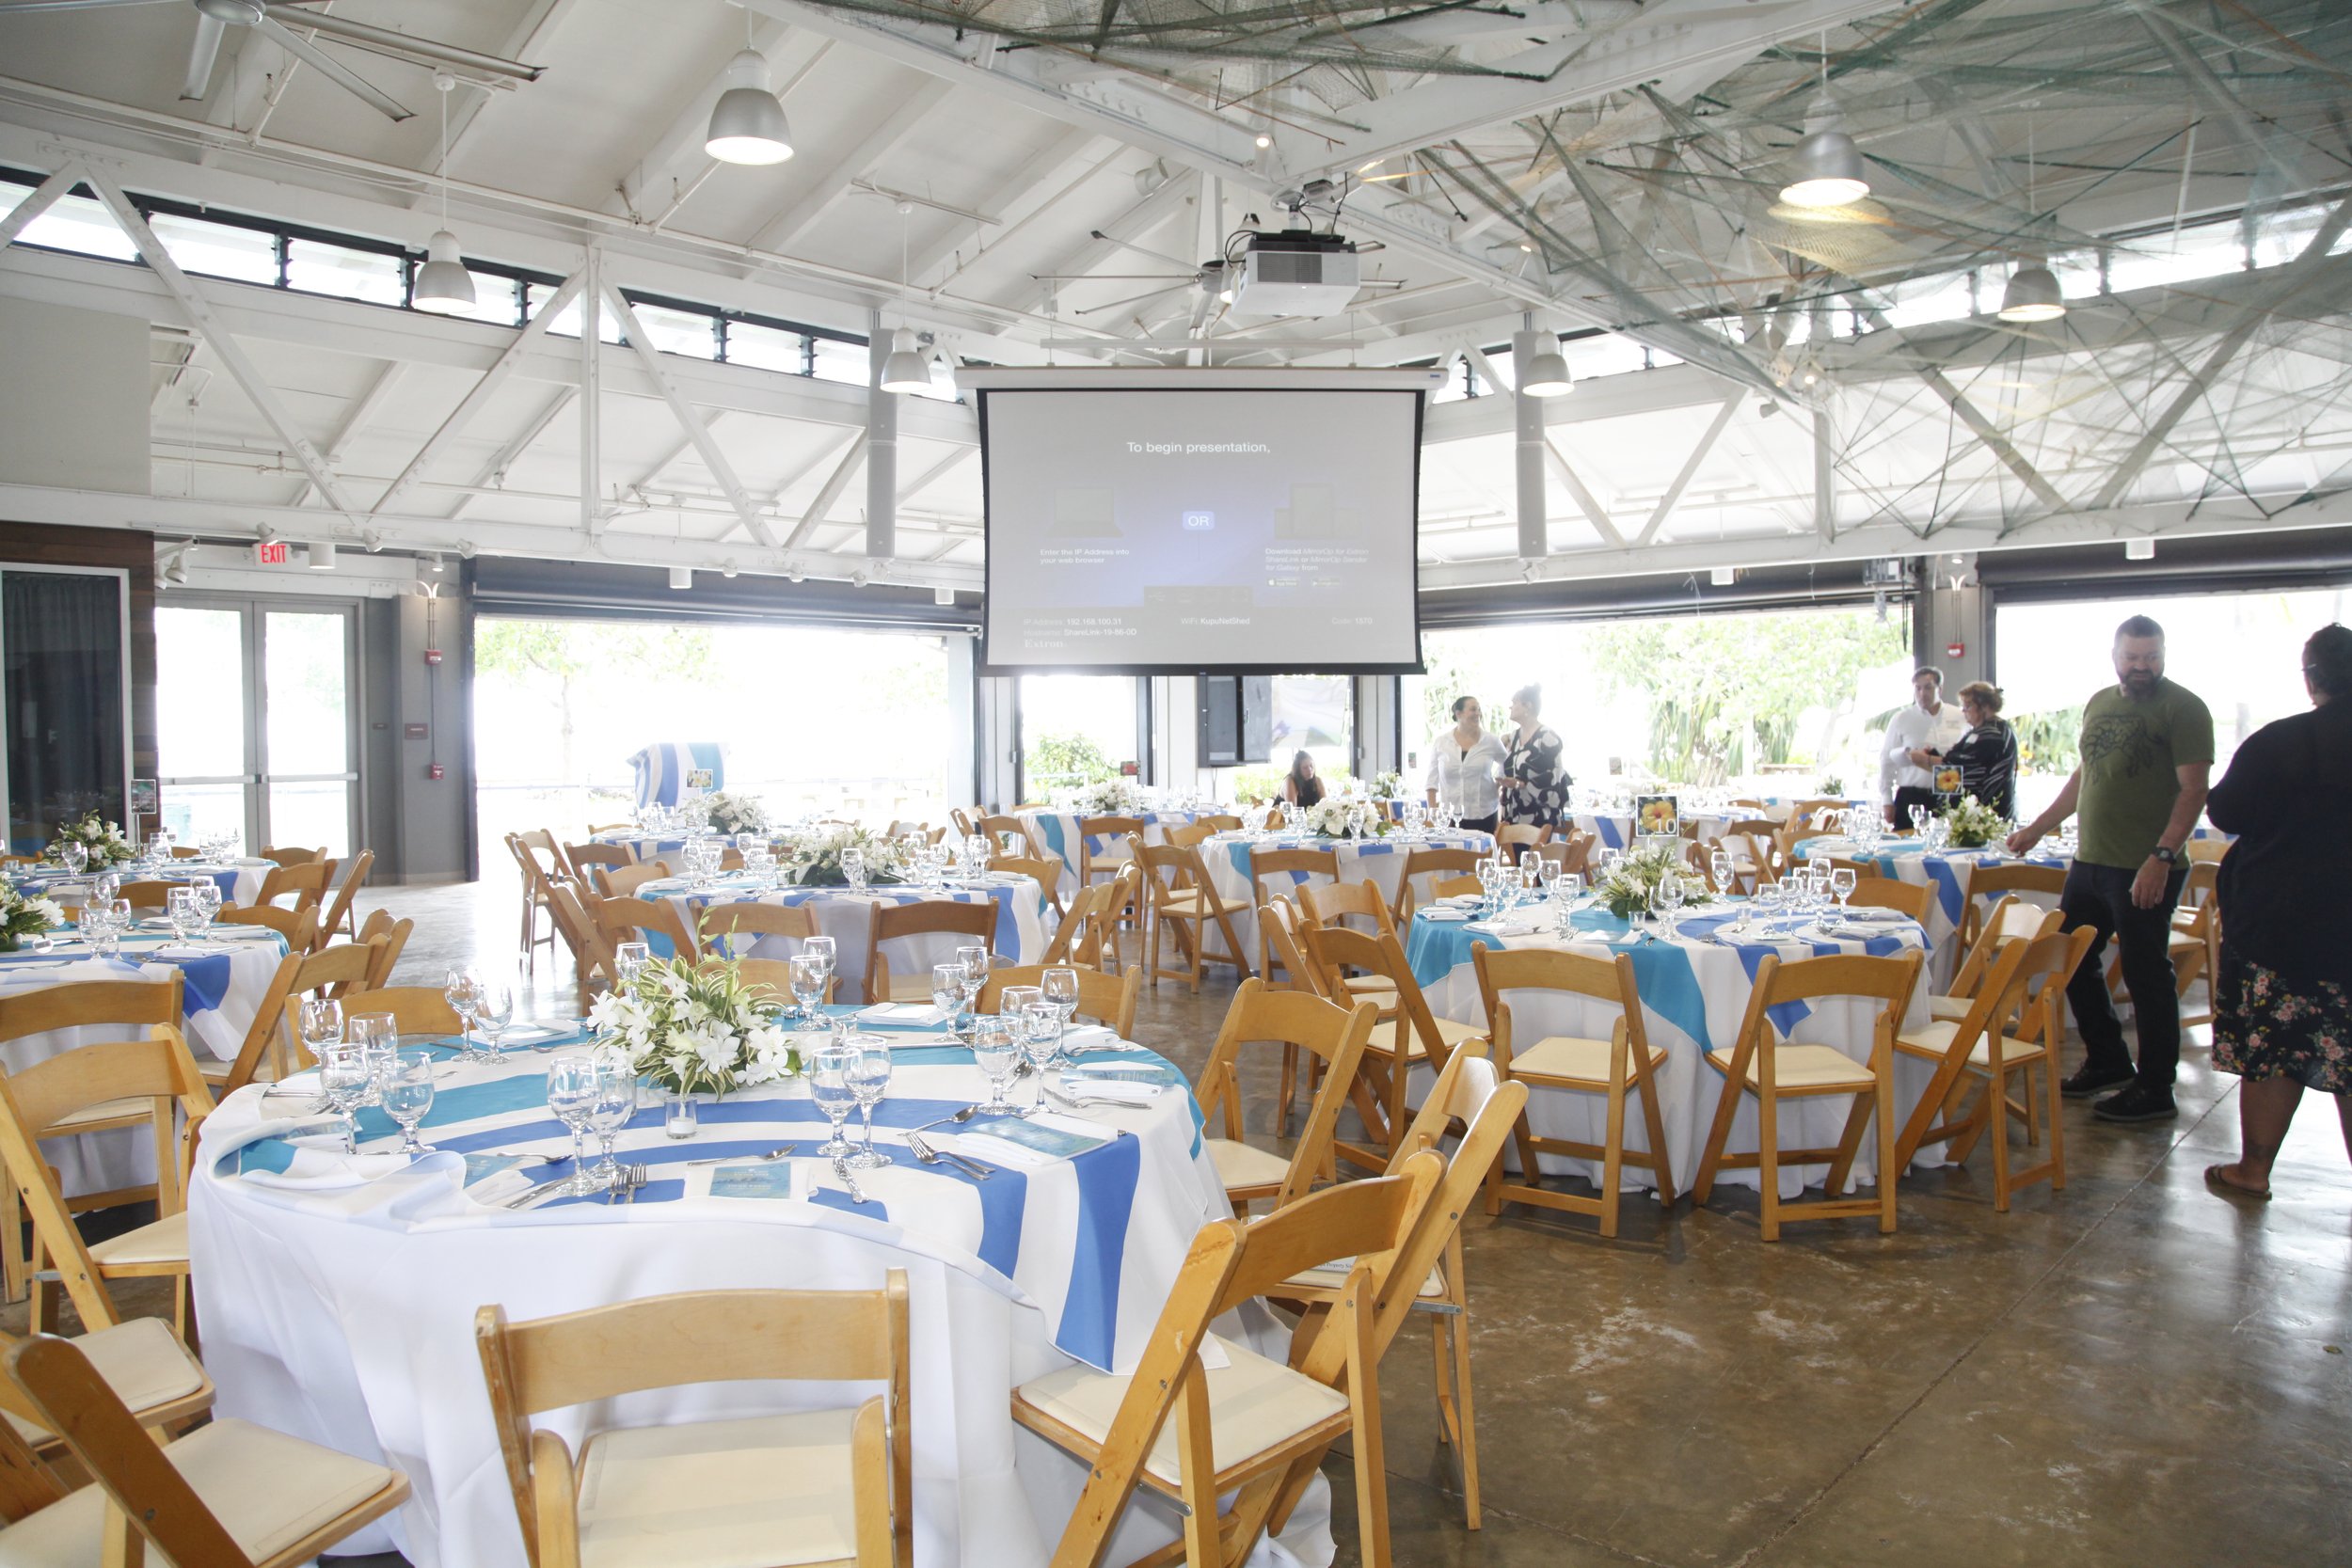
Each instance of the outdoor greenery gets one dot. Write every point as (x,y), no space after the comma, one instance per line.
(2049,742)
(1060,761)
(570,655)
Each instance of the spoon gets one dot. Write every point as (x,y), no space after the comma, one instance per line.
(959,1118)
(723,1159)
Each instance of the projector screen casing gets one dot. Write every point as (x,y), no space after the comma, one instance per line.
(1003,650)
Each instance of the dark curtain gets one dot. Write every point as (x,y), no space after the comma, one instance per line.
(62,637)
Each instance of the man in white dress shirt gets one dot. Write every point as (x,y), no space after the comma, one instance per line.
(1906,769)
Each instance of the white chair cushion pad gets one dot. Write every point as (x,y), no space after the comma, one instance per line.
(132,1108)
(1934,1039)
(1331,1275)
(141,1360)
(1239,1165)
(1803,1066)
(1948,1009)
(166,1240)
(1254,1404)
(1568,1057)
(739,1493)
(268,1490)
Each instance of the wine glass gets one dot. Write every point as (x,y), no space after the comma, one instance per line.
(409,1095)
(825,952)
(1668,900)
(1012,999)
(610,1107)
(462,988)
(947,991)
(494,1009)
(1719,865)
(1918,819)
(321,1022)
(808,984)
(208,901)
(854,869)
(996,1051)
(974,957)
(831,1067)
(1040,1044)
(1841,883)
(121,912)
(180,908)
(1041,1019)
(629,959)
(870,1081)
(572,1095)
(345,1079)
(74,856)
(1060,987)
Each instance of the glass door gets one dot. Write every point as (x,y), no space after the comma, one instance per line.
(63,691)
(255,721)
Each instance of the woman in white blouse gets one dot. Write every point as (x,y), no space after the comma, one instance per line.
(1463,765)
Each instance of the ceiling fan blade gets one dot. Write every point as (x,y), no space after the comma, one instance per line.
(72,4)
(310,54)
(202,53)
(1122,304)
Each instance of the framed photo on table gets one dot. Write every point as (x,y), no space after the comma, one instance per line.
(1657,816)
(1947,783)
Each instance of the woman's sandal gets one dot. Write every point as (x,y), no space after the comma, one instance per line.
(2228,1188)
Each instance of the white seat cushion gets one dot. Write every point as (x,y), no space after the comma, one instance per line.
(1948,1009)
(1254,1404)
(1803,1066)
(1934,1039)
(1375,983)
(1331,1275)
(133,1107)
(268,1490)
(1238,1164)
(166,1240)
(141,1360)
(738,1494)
(1568,1057)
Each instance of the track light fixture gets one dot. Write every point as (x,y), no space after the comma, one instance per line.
(443,283)
(747,124)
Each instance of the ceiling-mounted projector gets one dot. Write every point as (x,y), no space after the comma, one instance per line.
(1297,273)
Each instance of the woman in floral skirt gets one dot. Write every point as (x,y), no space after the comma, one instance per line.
(2283,1004)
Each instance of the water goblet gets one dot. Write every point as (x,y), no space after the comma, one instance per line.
(1719,866)
(826,952)
(630,959)
(854,869)
(345,1078)
(996,1051)
(408,1089)
(462,988)
(1816,875)
(74,856)
(869,1079)
(572,1098)
(1014,998)
(831,1069)
(180,908)
(1060,987)
(208,902)
(119,911)
(608,1111)
(807,978)
(1918,819)
(1841,883)
(321,1022)
(494,1009)
(1668,900)
(947,991)
(98,929)
(104,886)
(1041,1020)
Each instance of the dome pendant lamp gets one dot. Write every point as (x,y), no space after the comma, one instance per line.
(2033,293)
(904,370)
(443,283)
(747,124)
(1825,170)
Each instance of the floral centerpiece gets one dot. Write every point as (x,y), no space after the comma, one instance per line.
(1328,817)
(1628,888)
(696,1028)
(1120,797)
(1388,786)
(729,813)
(1972,824)
(102,838)
(22,917)
(816,860)
(1829,784)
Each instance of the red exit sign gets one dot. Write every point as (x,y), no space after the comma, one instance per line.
(272,552)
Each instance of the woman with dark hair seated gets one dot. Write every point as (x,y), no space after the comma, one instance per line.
(1300,787)
(1987,755)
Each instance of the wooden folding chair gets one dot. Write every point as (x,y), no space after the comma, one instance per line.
(291,856)
(1188,836)
(625,918)
(1108,999)
(975,923)
(1435,864)
(2012,919)
(815,1486)
(1336,903)
(2026,983)
(1620,1067)
(300,927)
(592,960)
(1515,836)
(1183,897)
(98,1087)
(229,1495)
(1007,833)
(414,1010)
(771,975)
(622,881)
(1470,1094)
(1290,869)
(342,972)
(721,922)
(1254,1426)
(1763,1065)
(1333,1035)
(1063,946)
(1415,1034)
(145,1365)
(305,884)
(149,895)
(1280,936)
(339,915)
(1891,893)
(537,876)
(1045,870)
(1987,884)
(587,860)
(1112,833)
(394,934)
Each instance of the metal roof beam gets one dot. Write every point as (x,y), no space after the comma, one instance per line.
(696,429)
(806,209)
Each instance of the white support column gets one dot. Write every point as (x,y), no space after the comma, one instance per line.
(199,313)
(881,447)
(1528,449)
(696,431)
(591,393)
(1824,476)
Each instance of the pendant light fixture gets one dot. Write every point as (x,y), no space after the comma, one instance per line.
(903,369)
(2033,293)
(1545,373)
(443,283)
(747,124)
(1825,170)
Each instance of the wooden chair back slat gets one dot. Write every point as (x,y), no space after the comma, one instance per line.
(1108,999)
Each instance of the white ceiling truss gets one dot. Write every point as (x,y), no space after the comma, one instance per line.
(1825,386)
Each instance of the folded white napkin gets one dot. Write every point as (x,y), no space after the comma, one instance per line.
(1098,1091)
(917,1014)
(1089,1036)
(1451,916)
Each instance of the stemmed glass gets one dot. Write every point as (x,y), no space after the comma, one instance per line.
(74,856)
(1719,865)
(494,1009)
(409,1095)
(612,1103)
(854,869)
(996,1051)
(831,1069)
(823,950)
(207,906)
(974,960)
(1040,1045)
(462,989)
(1060,987)
(1012,999)
(947,991)
(180,908)
(343,1079)
(378,1037)
(1042,1020)
(322,1023)
(628,958)
(1841,883)
(572,1096)
(870,1081)
(808,984)
(1668,900)
(1919,819)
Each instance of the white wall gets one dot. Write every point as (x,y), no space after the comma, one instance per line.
(74,395)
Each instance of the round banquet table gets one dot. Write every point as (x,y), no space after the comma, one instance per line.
(1694,992)
(224,981)
(1948,872)
(240,881)
(848,918)
(1229,859)
(338,1294)
(1056,834)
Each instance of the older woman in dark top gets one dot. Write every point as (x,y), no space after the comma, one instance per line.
(1987,755)
(2282,1005)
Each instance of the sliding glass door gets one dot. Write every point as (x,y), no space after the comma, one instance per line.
(65,737)
(257,722)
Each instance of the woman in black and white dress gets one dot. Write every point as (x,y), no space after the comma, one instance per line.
(1534,775)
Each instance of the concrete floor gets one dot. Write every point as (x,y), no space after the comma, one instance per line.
(2131,1370)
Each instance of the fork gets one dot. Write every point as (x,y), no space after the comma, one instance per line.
(923,1152)
(841,1169)
(633,1178)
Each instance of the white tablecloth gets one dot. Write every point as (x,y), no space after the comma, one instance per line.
(240,880)
(1694,992)
(1229,859)
(848,919)
(341,1308)
(1056,835)
(224,987)
(1949,872)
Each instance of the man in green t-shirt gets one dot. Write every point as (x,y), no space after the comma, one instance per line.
(2147,749)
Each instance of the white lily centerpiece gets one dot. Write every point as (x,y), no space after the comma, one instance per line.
(696,1028)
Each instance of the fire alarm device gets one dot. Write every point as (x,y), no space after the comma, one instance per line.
(433,656)
(1955,649)
(434,770)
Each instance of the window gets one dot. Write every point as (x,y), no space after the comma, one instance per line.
(675,331)
(494,300)
(375,277)
(1076,730)
(80,224)
(219,249)
(838,361)
(767,348)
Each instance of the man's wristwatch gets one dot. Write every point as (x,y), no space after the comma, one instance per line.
(2161,853)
